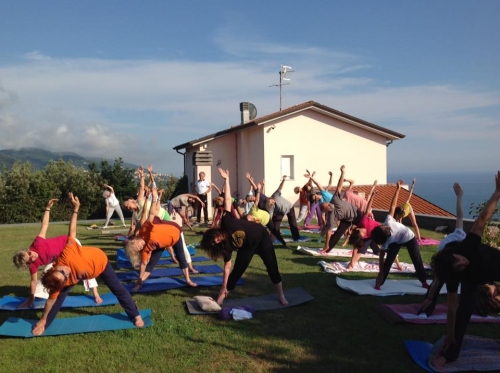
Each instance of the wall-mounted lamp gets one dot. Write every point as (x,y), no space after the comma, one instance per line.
(273,127)
(219,162)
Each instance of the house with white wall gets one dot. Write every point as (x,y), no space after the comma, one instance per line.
(306,136)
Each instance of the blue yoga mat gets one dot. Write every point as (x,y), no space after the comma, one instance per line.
(420,351)
(194,259)
(122,257)
(167,272)
(288,239)
(16,327)
(9,303)
(169,283)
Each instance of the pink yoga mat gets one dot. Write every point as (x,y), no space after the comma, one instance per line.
(408,313)
(428,241)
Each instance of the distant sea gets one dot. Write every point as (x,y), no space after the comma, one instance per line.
(438,187)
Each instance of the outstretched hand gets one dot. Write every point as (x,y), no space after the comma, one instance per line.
(247,175)
(74,200)
(342,168)
(458,190)
(51,202)
(330,173)
(224,173)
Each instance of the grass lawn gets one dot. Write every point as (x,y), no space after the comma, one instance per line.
(336,332)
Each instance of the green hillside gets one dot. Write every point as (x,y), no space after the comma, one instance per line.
(39,158)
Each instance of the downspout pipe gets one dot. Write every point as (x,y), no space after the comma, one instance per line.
(183,159)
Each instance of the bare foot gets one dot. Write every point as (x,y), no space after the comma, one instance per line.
(139,322)
(283,300)
(350,266)
(193,270)
(192,284)
(322,252)
(136,288)
(98,300)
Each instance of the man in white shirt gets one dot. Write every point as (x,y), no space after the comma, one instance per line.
(202,187)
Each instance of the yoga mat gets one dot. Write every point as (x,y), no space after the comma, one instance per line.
(361,266)
(400,313)
(269,302)
(419,351)
(167,272)
(169,283)
(122,257)
(106,231)
(16,327)
(9,303)
(288,239)
(334,253)
(477,354)
(390,287)
(194,259)
(428,241)
(316,227)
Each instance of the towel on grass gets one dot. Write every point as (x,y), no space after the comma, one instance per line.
(334,253)
(390,287)
(362,266)
(428,241)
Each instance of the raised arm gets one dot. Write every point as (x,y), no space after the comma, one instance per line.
(250,180)
(216,188)
(46,218)
(227,190)
(155,205)
(460,211)
(329,180)
(311,177)
(74,215)
(109,187)
(372,190)
(152,183)
(340,183)
(282,182)
(257,195)
(395,198)
(370,200)
(488,209)
(140,193)
(411,190)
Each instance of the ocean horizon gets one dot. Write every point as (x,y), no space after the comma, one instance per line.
(437,187)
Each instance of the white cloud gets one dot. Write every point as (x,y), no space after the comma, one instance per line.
(140,109)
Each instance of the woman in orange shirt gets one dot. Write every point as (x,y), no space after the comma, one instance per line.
(146,248)
(75,263)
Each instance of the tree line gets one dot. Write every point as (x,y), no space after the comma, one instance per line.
(24,191)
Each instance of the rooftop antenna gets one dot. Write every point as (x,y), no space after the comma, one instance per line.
(283,76)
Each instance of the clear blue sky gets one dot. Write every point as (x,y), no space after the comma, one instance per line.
(132,79)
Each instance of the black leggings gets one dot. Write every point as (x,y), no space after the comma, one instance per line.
(416,259)
(244,256)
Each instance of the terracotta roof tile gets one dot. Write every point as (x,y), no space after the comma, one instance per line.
(385,193)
